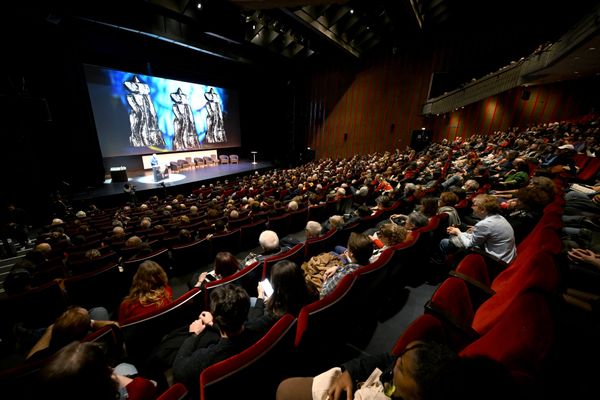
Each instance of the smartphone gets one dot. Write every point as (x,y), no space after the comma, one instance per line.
(210,277)
(266,285)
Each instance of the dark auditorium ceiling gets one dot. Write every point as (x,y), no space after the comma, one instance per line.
(286,33)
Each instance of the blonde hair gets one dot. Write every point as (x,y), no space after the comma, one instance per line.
(149,284)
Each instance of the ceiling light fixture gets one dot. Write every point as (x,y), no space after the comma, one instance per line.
(199,5)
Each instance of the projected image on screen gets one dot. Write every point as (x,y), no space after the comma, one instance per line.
(141,114)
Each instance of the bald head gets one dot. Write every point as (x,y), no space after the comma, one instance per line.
(43,248)
(268,240)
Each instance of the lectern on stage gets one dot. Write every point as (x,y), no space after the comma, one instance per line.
(118,174)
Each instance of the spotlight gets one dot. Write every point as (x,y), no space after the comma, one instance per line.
(199,5)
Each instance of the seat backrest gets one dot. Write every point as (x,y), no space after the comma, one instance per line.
(473,265)
(342,236)
(110,337)
(323,327)
(85,265)
(258,370)
(473,270)
(248,278)
(332,207)
(371,285)
(589,171)
(144,332)
(224,158)
(539,273)
(319,245)
(177,391)
(22,382)
(227,241)
(160,256)
(426,327)
(250,234)
(105,286)
(451,304)
(295,254)
(298,219)
(280,225)
(36,308)
(191,256)
(522,337)
(238,222)
(318,213)
(369,221)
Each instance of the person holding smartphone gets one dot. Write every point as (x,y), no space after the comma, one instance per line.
(225,265)
(290,294)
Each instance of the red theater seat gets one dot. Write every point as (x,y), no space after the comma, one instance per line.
(256,371)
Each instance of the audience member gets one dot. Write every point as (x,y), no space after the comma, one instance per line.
(358,253)
(389,235)
(149,291)
(290,294)
(81,371)
(19,278)
(409,376)
(75,323)
(493,233)
(269,244)
(226,264)
(229,306)
(313,230)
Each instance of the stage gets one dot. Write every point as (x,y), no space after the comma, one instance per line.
(182,182)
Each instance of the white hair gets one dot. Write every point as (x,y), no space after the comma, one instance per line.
(268,240)
(292,205)
(313,229)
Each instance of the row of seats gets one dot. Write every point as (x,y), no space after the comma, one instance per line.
(22,382)
(507,317)
(513,326)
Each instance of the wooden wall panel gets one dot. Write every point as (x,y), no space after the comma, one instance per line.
(376,107)
(546,103)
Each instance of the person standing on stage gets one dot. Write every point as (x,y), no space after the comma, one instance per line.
(155,168)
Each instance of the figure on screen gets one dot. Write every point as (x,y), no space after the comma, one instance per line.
(215,131)
(183,124)
(142,116)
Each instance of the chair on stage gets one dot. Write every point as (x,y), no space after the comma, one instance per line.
(224,159)
(183,164)
(199,161)
(174,166)
(234,159)
(190,162)
(208,160)
(215,159)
